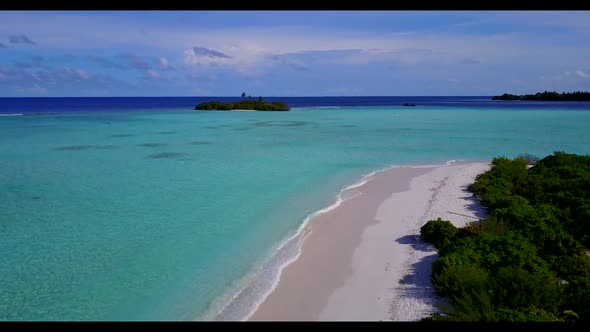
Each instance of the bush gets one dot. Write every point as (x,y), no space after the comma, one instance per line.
(494,226)
(506,268)
(529,158)
(492,252)
(438,232)
(458,279)
(473,229)
(530,314)
(576,296)
(473,305)
(516,288)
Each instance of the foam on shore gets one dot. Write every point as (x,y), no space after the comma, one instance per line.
(362,259)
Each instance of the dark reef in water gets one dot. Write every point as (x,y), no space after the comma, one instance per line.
(167,155)
(85,147)
(217,126)
(253,125)
(152,145)
(283,123)
(199,143)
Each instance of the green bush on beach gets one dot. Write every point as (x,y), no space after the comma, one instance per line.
(526,261)
(438,232)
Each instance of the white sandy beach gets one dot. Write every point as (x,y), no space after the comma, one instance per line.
(363,261)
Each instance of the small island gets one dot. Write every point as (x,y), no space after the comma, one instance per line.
(243,105)
(547,96)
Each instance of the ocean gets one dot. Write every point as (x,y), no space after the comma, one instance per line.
(144,209)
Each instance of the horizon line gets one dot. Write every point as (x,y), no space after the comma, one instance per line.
(234,96)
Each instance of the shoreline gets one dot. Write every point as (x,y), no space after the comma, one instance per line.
(248,296)
(347,263)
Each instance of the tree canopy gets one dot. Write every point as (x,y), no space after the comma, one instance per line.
(526,261)
(259,105)
(547,96)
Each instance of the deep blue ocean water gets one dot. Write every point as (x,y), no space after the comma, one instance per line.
(141,104)
(143,209)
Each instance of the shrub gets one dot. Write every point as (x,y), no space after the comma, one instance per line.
(494,225)
(473,305)
(438,232)
(529,158)
(516,288)
(505,268)
(530,314)
(458,279)
(473,229)
(576,296)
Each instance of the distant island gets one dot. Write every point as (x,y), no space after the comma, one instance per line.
(246,104)
(547,96)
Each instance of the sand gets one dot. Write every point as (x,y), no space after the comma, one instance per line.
(363,261)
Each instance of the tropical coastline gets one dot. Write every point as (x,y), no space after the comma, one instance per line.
(184,251)
(363,260)
(382,166)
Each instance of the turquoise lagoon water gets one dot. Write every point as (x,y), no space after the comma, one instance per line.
(168,214)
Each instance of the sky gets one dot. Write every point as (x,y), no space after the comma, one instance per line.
(292,53)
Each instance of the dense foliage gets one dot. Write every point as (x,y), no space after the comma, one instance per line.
(439,232)
(247,104)
(547,96)
(526,261)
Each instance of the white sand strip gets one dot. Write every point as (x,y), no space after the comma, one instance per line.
(363,261)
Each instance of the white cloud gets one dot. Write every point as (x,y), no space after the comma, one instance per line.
(249,50)
(250,47)
(206,57)
(165,64)
(75,73)
(202,78)
(409,55)
(150,73)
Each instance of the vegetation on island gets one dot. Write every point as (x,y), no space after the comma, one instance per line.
(547,96)
(244,104)
(527,260)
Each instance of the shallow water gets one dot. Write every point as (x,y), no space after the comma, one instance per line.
(164,215)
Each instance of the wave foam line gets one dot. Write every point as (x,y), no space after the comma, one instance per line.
(302,231)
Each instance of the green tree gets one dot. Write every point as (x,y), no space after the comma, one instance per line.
(438,232)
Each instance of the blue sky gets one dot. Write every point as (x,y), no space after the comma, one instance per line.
(292,53)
